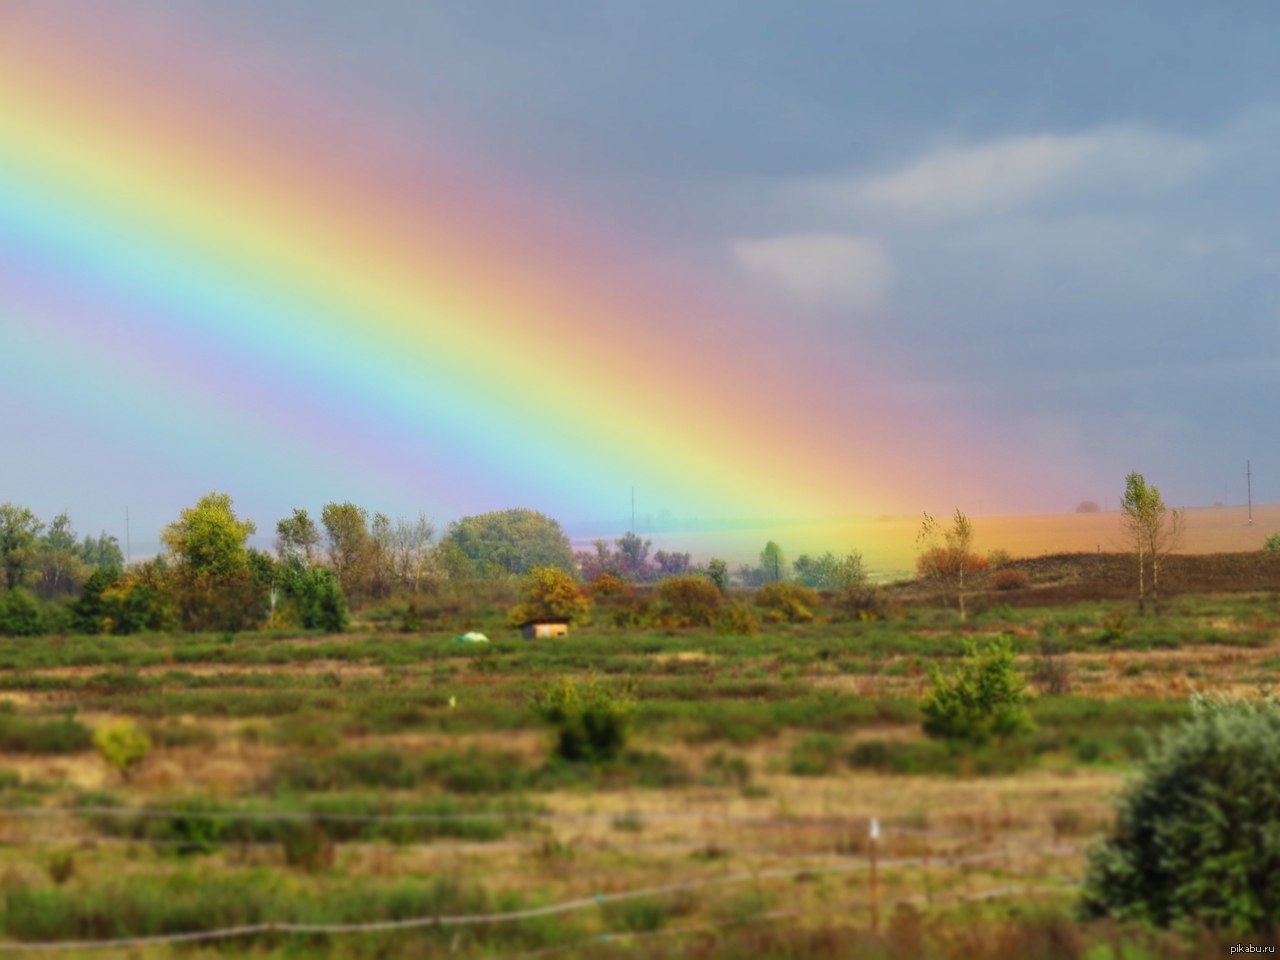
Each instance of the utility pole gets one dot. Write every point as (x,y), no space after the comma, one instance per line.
(1248,478)
(633,509)
(128,543)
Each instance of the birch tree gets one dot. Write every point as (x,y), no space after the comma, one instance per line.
(1152,529)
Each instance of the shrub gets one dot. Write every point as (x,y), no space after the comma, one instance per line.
(30,735)
(123,744)
(814,755)
(591,722)
(689,601)
(865,602)
(1195,837)
(20,614)
(318,597)
(1011,578)
(792,602)
(1272,543)
(737,620)
(983,699)
(549,593)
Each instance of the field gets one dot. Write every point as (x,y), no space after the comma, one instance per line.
(394,776)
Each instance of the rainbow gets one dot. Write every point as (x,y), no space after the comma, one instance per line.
(247,280)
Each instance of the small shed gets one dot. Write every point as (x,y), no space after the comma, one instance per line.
(546,627)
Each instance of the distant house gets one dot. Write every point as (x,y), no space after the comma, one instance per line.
(546,627)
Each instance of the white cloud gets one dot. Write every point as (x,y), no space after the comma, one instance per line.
(826,268)
(1003,176)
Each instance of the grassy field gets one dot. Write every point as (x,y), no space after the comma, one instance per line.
(388,775)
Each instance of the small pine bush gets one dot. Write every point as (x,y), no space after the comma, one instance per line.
(591,721)
(1195,838)
(983,700)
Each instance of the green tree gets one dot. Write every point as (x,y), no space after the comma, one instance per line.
(511,542)
(19,533)
(1195,837)
(983,699)
(548,593)
(209,538)
(830,572)
(352,550)
(1152,529)
(297,536)
(772,562)
(718,571)
(57,561)
(103,552)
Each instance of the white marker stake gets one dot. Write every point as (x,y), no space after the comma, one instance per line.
(873,834)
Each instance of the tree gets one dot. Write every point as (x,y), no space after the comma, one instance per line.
(297,537)
(57,561)
(983,699)
(353,552)
(718,571)
(411,546)
(209,538)
(1152,528)
(829,572)
(19,530)
(103,552)
(948,553)
(550,594)
(1195,834)
(772,562)
(672,564)
(511,542)
(633,556)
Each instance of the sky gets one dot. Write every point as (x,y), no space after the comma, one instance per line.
(762,264)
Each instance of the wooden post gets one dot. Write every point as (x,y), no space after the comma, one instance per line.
(873,835)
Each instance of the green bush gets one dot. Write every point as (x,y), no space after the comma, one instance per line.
(1272,543)
(20,614)
(591,722)
(983,699)
(30,735)
(1196,835)
(123,744)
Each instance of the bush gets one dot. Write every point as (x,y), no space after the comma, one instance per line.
(865,602)
(30,735)
(1272,543)
(318,597)
(551,594)
(1195,837)
(1010,578)
(123,744)
(792,602)
(591,722)
(737,621)
(983,699)
(20,614)
(689,601)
